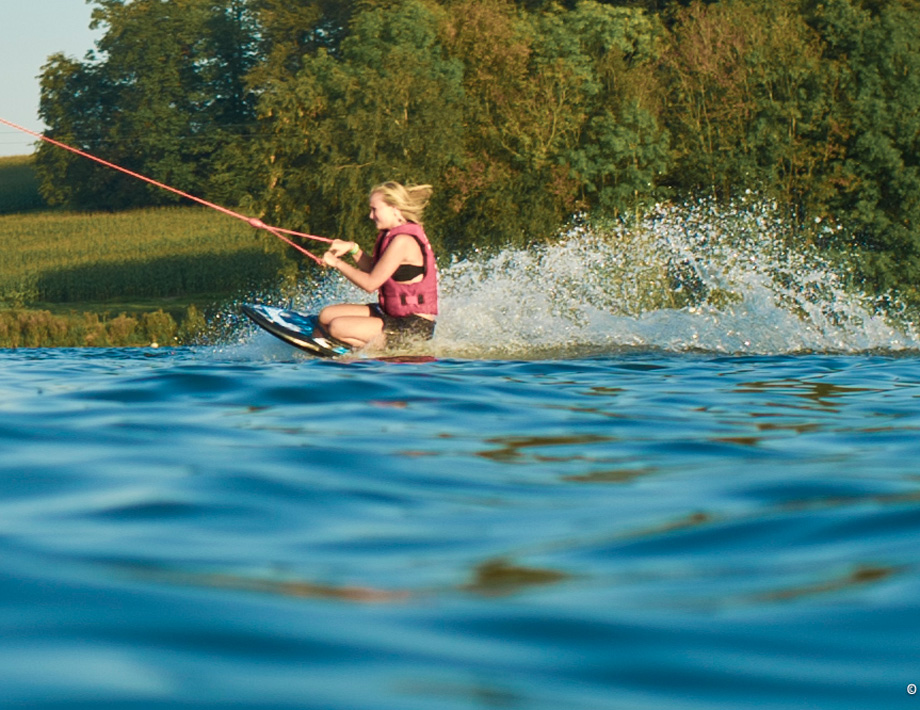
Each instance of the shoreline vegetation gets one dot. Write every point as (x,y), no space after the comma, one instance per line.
(526,114)
(143,277)
(27,328)
(523,113)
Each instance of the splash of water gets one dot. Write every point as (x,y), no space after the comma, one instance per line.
(696,277)
(689,277)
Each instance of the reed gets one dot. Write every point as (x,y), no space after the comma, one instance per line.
(30,328)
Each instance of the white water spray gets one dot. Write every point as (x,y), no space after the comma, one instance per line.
(695,277)
(684,278)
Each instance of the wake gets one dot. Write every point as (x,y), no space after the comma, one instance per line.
(684,278)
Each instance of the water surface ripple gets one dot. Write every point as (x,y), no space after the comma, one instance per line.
(200,528)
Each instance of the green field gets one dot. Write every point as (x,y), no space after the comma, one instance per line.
(60,257)
(118,278)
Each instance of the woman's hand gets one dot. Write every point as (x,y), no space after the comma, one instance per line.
(337,249)
(340,247)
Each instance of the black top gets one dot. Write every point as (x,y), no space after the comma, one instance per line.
(407,272)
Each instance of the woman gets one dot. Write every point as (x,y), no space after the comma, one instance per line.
(402,268)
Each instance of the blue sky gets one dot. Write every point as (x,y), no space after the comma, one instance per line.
(32,31)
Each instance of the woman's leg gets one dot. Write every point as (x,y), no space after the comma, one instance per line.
(351,323)
(339,310)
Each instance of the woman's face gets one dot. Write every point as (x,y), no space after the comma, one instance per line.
(382,215)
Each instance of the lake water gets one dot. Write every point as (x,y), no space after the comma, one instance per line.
(697,508)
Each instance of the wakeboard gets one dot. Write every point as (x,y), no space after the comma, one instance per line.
(301,330)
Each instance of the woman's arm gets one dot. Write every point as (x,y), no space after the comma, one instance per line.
(402,250)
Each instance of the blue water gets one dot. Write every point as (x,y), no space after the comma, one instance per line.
(638,528)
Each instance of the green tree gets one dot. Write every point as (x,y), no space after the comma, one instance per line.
(747,100)
(74,100)
(291,31)
(163,95)
(623,146)
(384,105)
(520,119)
(872,50)
(560,115)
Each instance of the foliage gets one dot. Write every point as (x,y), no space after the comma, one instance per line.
(519,112)
(384,105)
(558,116)
(746,99)
(165,96)
(519,119)
(32,329)
(18,185)
(873,50)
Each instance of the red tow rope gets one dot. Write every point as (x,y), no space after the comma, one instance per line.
(251,221)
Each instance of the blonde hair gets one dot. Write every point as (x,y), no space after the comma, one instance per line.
(410,201)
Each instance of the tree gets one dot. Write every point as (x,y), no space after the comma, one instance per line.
(384,105)
(747,101)
(163,96)
(291,31)
(623,146)
(873,49)
(560,115)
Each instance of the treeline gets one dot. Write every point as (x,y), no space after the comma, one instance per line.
(521,113)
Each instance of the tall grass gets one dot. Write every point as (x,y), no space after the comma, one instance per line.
(18,185)
(85,266)
(41,328)
(60,257)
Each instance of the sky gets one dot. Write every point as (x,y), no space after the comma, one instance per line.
(32,31)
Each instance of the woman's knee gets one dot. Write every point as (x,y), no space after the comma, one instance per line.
(330,313)
(334,328)
(355,330)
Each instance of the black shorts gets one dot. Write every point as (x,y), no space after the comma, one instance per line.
(404,329)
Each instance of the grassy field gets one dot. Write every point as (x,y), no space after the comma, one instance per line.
(61,257)
(67,278)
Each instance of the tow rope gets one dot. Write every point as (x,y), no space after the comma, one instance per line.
(251,221)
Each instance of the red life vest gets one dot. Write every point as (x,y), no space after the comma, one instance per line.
(404,299)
